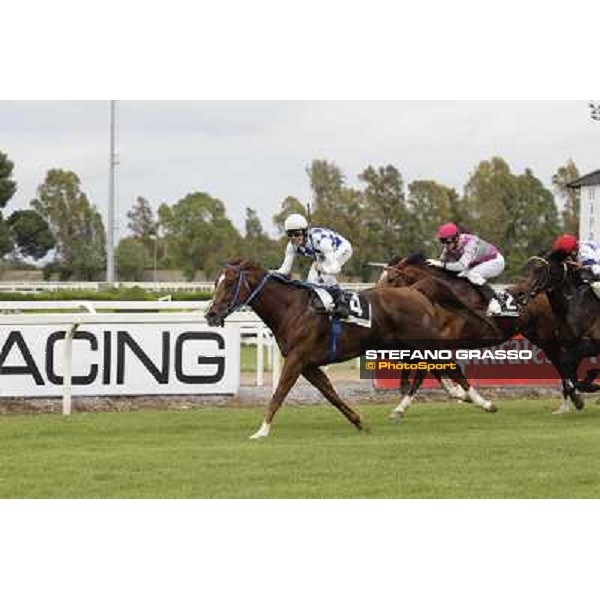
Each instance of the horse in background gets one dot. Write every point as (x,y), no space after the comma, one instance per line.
(459,303)
(574,307)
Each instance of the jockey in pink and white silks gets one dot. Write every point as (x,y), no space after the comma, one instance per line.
(328,249)
(473,258)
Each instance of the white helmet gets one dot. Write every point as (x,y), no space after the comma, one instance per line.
(294,222)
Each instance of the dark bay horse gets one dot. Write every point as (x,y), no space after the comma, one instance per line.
(462,307)
(575,307)
(304,335)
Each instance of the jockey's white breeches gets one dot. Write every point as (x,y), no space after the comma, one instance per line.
(479,274)
(328,277)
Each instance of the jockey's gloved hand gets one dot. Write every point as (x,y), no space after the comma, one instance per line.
(433,262)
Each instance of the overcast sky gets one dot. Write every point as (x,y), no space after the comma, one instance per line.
(255,153)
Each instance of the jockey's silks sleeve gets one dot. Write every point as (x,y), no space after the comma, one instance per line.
(589,256)
(288,260)
(469,252)
(327,264)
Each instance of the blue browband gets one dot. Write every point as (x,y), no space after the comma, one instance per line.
(253,293)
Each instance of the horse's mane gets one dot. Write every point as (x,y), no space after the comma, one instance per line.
(416,258)
(247,263)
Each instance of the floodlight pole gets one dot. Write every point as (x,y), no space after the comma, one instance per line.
(110,240)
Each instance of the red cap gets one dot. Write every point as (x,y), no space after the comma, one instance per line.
(566,242)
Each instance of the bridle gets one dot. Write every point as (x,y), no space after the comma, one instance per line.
(242,282)
(396,269)
(543,283)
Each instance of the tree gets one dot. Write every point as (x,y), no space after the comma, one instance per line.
(514,212)
(75,224)
(288,206)
(130,258)
(534,223)
(326,180)
(254,228)
(142,221)
(257,244)
(7,186)
(327,185)
(7,189)
(199,234)
(429,204)
(489,200)
(385,215)
(31,233)
(570,212)
(6,239)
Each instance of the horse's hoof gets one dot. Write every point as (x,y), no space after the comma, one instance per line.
(578,403)
(396,415)
(492,408)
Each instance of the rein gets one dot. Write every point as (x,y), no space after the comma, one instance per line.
(233,306)
(543,285)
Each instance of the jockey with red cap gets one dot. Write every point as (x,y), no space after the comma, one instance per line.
(586,253)
(473,258)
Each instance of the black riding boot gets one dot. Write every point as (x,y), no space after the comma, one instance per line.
(487,291)
(340,308)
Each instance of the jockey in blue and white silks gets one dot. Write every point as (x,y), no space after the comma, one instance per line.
(327,248)
(589,257)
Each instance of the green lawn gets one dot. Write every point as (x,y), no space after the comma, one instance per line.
(441,450)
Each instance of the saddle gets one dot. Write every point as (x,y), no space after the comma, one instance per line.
(507,303)
(322,300)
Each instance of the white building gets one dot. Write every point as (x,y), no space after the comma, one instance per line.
(589,205)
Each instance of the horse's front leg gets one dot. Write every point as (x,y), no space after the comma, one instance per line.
(290,372)
(568,372)
(408,397)
(472,395)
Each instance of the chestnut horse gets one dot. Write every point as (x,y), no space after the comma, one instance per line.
(306,337)
(462,308)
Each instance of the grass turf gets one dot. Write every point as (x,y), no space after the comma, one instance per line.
(441,450)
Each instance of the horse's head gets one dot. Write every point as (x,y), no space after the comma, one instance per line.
(540,274)
(391,272)
(404,271)
(234,288)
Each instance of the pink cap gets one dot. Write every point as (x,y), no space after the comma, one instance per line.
(447,230)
